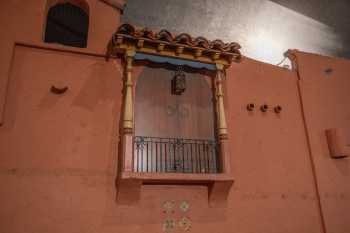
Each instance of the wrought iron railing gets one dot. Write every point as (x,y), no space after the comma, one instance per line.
(153,154)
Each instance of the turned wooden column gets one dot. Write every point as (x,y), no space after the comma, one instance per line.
(128,114)
(221,121)
(220,109)
(128,118)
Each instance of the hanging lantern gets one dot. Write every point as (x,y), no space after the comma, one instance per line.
(178,83)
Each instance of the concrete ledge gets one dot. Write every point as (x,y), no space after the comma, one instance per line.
(129,185)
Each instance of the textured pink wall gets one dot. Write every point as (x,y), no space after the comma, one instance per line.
(24,22)
(269,153)
(326,105)
(58,154)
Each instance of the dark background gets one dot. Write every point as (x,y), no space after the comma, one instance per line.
(265,29)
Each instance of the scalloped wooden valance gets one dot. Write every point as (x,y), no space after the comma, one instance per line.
(181,46)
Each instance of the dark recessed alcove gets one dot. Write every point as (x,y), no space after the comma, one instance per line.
(174,132)
(67,24)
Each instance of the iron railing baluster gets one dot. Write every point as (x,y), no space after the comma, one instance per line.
(153,154)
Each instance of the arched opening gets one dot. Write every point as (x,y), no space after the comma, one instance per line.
(174,132)
(67,24)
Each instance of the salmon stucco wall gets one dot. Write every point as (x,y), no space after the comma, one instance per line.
(59,153)
(274,183)
(23,22)
(324,85)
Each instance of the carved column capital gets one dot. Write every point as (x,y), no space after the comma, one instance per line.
(130,53)
(219,66)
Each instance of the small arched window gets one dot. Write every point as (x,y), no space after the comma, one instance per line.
(67,24)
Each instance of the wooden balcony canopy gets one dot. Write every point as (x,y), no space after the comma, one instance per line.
(181,49)
(136,169)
